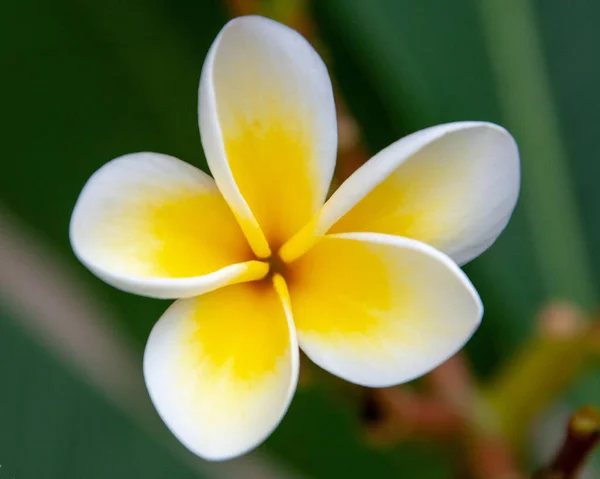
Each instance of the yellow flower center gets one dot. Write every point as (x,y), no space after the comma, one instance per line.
(277,266)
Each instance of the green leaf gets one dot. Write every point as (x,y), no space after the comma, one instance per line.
(54,425)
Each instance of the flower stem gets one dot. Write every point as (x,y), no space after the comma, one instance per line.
(583,434)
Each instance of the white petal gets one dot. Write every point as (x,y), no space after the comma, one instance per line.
(268,127)
(379,310)
(451,186)
(151,224)
(221,369)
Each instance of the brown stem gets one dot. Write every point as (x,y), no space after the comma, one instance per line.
(395,414)
(241,7)
(490,457)
(453,383)
(392,414)
(583,434)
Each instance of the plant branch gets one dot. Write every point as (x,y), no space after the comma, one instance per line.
(583,434)
(565,346)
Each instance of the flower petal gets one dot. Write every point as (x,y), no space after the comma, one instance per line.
(222,368)
(379,310)
(151,224)
(451,186)
(268,127)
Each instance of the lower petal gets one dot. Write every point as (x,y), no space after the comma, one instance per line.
(379,310)
(221,369)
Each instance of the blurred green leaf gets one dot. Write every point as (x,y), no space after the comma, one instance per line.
(571,37)
(514,44)
(53,425)
(89,82)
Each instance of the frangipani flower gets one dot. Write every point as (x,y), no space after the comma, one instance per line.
(366,284)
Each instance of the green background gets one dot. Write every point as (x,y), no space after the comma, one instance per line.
(86,81)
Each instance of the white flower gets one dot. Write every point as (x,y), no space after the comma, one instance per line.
(366,284)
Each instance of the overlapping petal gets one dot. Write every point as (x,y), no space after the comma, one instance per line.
(268,127)
(222,368)
(153,225)
(380,310)
(451,186)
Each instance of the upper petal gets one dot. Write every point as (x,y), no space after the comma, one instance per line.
(222,368)
(379,310)
(452,186)
(268,127)
(151,224)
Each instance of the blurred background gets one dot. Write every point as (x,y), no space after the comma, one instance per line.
(85,81)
